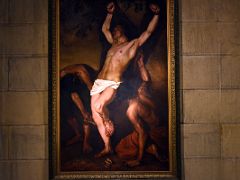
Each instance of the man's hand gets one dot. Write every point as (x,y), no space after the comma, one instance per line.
(110,8)
(154,8)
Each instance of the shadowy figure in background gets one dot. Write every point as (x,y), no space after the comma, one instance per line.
(109,79)
(81,81)
(141,110)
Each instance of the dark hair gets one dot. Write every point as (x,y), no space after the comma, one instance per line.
(117,25)
(128,27)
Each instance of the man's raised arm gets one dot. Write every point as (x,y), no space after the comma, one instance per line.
(107,22)
(152,25)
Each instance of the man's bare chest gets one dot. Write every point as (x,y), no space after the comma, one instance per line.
(118,52)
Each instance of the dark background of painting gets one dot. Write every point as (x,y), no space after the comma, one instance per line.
(83,43)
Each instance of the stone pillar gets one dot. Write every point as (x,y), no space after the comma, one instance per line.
(23,89)
(210,70)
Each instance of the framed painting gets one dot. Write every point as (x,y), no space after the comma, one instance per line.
(112,101)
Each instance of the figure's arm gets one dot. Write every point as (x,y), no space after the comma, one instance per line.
(84,75)
(72,69)
(107,22)
(152,25)
(136,43)
(80,71)
(145,76)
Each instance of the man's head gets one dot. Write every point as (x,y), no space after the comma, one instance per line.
(118,34)
(118,31)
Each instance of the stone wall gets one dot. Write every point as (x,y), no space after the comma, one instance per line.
(210,89)
(24,87)
(210,70)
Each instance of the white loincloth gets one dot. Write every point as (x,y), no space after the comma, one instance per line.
(100,85)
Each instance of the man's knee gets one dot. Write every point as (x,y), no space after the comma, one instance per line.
(98,106)
(97,119)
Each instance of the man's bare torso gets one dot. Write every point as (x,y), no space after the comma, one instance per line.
(117,60)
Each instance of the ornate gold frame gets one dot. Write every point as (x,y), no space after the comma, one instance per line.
(54,97)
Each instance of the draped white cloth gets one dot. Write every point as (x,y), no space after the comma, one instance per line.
(100,85)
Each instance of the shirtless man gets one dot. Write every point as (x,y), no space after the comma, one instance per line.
(82,73)
(142,108)
(109,79)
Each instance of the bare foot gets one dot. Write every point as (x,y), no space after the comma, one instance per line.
(104,152)
(74,140)
(133,163)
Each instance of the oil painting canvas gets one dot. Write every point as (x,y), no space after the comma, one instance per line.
(113,89)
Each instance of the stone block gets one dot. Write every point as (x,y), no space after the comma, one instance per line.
(194,10)
(230,141)
(201,72)
(214,10)
(27,142)
(4,11)
(24,39)
(202,168)
(201,106)
(200,38)
(229,10)
(229,38)
(230,71)
(28,74)
(31,169)
(3,39)
(230,106)
(180,105)
(28,11)
(21,108)
(201,140)
(179,77)
(5,170)
(3,142)
(230,169)
(3,73)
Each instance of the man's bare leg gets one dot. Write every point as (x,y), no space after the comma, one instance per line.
(86,146)
(148,114)
(103,100)
(151,119)
(99,111)
(76,128)
(78,102)
(101,129)
(132,113)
